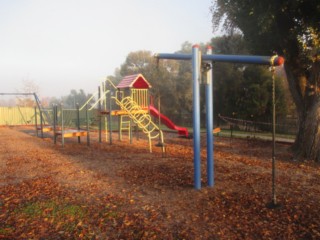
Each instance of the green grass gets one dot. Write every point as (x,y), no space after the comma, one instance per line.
(6,230)
(51,209)
(61,215)
(64,214)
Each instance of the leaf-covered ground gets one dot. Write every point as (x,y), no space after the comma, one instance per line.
(121,191)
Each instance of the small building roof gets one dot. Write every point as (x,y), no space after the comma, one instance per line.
(134,81)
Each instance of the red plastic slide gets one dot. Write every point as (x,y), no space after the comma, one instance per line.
(164,119)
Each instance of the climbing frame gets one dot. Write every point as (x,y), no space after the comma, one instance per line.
(60,130)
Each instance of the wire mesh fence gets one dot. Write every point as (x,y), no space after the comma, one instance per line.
(286,126)
(12,116)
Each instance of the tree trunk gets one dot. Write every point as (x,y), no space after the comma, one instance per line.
(307,143)
(307,100)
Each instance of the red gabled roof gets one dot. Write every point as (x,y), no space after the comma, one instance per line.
(134,81)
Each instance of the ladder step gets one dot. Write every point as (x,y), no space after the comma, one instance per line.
(140,117)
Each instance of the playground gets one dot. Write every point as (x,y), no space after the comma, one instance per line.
(137,175)
(122,191)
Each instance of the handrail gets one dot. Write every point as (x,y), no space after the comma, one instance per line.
(93,95)
(95,104)
(97,93)
(112,84)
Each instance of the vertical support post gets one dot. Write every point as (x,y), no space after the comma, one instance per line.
(78,120)
(209,123)
(130,130)
(105,90)
(55,124)
(274,199)
(99,112)
(159,118)
(130,120)
(110,118)
(120,120)
(62,125)
(119,128)
(273,204)
(196,115)
(35,120)
(41,122)
(148,104)
(88,130)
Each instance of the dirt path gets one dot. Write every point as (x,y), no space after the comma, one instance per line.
(126,192)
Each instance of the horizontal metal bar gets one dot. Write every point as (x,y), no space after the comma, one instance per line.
(16,93)
(246,59)
(173,56)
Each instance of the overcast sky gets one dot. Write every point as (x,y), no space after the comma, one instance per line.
(73,44)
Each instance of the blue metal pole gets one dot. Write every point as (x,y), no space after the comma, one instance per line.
(263,60)
(196,115)
(196,59)
(173,56)
(250,59)
(209,123)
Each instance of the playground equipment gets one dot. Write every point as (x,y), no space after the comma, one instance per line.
(101,100)
(142,119)
(205,62)
(130,102)
(216,130)
(45,116)
(59,125)
(182,131)
(132,96)
(45,125)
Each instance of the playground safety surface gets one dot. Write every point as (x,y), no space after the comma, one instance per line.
(122,191)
